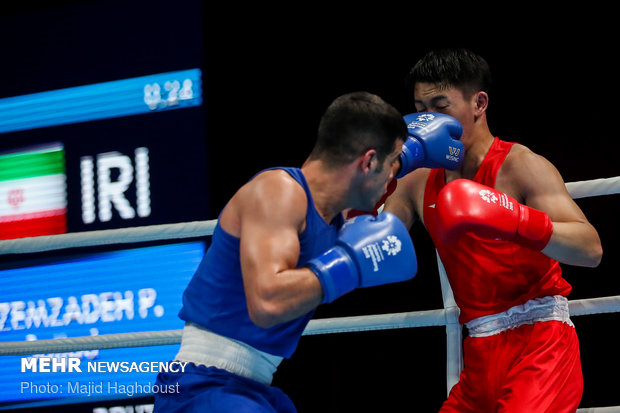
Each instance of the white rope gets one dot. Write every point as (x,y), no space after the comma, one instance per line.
(429,318)
(157,338)
(108,237)
(102,342)
(599,305)
(595,187)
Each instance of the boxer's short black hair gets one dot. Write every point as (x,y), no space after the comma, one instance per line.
(354,123)
(459,68)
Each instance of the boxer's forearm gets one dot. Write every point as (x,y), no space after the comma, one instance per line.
(574,243)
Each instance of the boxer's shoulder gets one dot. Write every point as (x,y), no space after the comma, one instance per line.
(523,170)
(270,195)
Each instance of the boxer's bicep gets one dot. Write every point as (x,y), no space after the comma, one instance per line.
(271,219)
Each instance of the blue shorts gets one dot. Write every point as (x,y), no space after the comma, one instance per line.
(209,389)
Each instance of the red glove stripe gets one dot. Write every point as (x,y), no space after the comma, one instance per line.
(535,228)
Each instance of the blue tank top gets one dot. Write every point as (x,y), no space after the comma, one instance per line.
(215,298)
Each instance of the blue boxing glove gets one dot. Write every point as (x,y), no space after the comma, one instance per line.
(433,142)
(369,251)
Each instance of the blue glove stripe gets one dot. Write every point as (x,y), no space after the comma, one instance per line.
(336,273)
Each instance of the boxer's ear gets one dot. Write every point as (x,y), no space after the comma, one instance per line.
(368,161)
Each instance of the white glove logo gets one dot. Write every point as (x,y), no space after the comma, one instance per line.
(421,121)
(427,117)
(391,245)
(488,196)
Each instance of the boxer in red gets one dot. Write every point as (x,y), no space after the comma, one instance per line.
(502,223)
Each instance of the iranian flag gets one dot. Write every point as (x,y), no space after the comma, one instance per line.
(33,193)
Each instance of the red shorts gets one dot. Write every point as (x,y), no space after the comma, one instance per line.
(534,368)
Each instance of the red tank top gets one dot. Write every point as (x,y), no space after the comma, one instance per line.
(490,276)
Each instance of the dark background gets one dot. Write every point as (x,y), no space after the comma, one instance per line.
(268,74)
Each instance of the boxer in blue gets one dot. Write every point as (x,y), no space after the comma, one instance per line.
(281,247)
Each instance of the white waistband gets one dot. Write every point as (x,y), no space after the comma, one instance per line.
(202,347)
(539,309)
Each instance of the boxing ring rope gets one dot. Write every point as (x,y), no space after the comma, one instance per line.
(448,316)
(146,233)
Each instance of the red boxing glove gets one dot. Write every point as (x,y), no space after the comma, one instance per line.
(390,189)
(467,206)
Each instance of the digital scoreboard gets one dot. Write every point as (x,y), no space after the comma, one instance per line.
(107,155)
